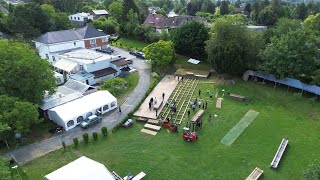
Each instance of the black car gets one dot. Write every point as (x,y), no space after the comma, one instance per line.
(92,120)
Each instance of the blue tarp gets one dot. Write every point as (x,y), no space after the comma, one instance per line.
(290,82)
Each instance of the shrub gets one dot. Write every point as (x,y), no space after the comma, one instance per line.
(104,131)
(75,142)
(64,145)
(85,138)
(95,136)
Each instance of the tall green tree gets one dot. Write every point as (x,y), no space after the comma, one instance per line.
(161,54)
(301,11)
(291,55)
(232,48)
(248,9)
(208,6)
(23,74)
(116,10)
(312,23)
(224,9)
(132,23)
(189,39)
(193,7)
(268,17)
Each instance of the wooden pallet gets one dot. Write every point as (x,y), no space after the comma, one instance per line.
(147,131)
(141,119)
(219,103)
(154,122)
(255,174)
(152,127)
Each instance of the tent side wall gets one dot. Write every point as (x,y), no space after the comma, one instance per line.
(56,118)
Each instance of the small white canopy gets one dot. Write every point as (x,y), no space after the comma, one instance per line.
(65,65)
(81,169)
(193,61)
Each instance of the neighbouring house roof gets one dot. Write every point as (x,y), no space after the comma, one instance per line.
(104,72)
(82,14)
(176,21)
(85,169)
(3,10)
(100,12)
(81,76)
(155,20)
(65,65)
(69,35)
(120,62)
(5,36)
(76,86)
(83,105)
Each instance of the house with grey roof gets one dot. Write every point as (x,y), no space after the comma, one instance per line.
(5,35)
(99,13)
(51,44)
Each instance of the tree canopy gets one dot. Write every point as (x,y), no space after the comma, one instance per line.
(5,172)
(232,48)
(189,39)
(23,74)
(291,55)
(161,54)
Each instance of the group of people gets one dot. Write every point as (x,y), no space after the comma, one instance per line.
(194,104)
(153,101)
(179,78)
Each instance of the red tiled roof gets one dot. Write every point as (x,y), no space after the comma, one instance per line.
(155,20)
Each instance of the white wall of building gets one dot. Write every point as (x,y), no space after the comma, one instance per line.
(97,66)
(80,17)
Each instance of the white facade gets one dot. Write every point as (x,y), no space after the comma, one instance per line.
(71,114)
(82,17)
(51,51)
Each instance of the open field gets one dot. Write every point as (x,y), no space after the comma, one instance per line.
(167,156)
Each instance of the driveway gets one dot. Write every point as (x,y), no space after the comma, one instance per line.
(38,149)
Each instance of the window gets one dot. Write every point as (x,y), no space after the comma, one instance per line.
(92,41)
(74,43)
(104,39)
(78,18)
(89,114)
(47,56)
(113,104)
(81,67)
(70,123)
(106,107)
(53,58)
(79,119)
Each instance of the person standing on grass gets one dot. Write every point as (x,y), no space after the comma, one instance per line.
(209,117)
(199,103)
(119,109)
(193,107)
(208,91)
(188,112)
(203,106)
(206,104)
(199,92)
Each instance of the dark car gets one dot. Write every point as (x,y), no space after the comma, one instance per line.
(92,120)
(106,49)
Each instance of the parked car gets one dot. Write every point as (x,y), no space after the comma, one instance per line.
(106,49)
(130,61)
(138,54)
(92,120)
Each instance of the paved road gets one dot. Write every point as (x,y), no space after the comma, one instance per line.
(35,150)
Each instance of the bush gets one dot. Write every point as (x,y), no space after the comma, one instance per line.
(95,136)
(64,145)
(75,142)
(85,138)
(104,131)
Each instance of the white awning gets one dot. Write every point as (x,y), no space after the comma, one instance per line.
(193,61)
(65,65)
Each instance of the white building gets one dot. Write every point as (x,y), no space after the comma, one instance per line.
(71,114)
(51,44)
(89,66)
(81,169)
(80,18)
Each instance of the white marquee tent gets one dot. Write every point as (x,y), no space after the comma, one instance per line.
(81,169)
(73,113)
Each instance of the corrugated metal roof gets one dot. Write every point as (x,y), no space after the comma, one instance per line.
(60,101)
(77,86)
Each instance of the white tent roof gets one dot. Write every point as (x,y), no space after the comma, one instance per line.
(81,169)
(193,61)
(83,105)
(65,65)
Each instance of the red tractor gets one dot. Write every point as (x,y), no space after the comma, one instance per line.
(170,126)
(188,135)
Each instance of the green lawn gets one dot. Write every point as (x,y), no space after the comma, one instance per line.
(121,94)
(167,156)
(130,43)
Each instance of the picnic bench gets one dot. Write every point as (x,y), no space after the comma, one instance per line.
(152,127)
(282,147)
(255,174)
(158,105)
(197,116)
(219,103)
(237,97)
(147,131)
(141,119)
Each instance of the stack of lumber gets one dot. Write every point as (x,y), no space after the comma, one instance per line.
(256,173)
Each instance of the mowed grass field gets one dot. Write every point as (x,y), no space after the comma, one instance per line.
(167,156)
